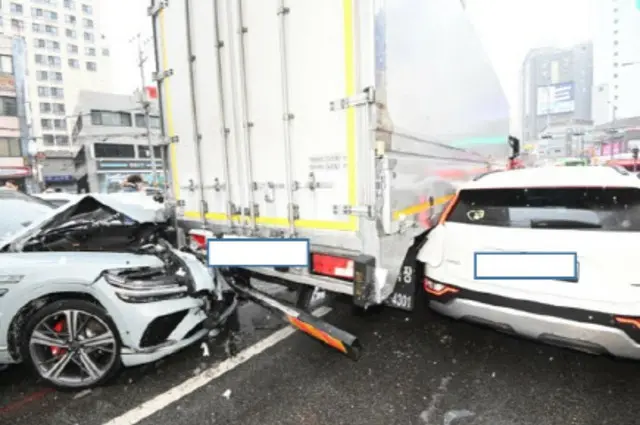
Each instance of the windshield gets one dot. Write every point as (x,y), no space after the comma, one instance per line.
(613,209)
(19,211)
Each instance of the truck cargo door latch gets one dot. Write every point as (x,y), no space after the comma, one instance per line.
(356,210)
(366,97)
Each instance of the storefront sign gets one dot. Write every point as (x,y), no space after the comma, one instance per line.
(59,179)
(16,172)
(126,165)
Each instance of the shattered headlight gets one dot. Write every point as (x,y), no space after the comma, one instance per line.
(145,284)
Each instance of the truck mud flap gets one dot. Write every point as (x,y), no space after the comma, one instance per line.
(336,338)
(407,289)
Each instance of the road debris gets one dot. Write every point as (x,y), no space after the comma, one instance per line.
(227,394)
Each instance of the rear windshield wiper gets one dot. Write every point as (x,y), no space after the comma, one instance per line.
(563,224)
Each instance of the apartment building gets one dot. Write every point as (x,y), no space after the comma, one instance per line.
(110,132)
(66,53)
(12,149)
(616,40)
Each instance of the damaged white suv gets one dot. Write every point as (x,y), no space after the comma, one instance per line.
(590,213)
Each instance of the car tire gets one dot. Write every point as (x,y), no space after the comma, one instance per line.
(83,309)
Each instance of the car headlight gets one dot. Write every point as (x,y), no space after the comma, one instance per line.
(145,284)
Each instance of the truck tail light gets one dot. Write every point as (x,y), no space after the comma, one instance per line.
(198,238)
(329,265)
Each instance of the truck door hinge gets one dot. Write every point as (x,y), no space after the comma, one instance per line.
(367,211)
(157,7)
(256,211)
(366,97)
(158,76)
(295,211)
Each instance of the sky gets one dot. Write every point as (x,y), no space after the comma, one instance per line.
(120,28)
(508,29)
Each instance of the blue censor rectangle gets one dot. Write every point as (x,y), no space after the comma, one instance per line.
(526,266)
(258,252)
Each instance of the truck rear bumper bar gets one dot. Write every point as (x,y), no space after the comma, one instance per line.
(342,341)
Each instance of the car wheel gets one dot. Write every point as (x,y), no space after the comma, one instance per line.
(72,344)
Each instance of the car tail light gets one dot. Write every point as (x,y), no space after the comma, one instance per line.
(437,289)
(449,208)
(329,265)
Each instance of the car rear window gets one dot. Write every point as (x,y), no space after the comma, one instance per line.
(614,209)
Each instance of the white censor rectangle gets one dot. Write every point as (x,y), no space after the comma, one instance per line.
(525,265)
(253,252)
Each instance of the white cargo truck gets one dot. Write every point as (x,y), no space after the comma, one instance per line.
(347,122)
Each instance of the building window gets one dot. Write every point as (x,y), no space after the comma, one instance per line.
(143,151)
(50,29)
(615,75)
(17,9)
(18,25)
(70,19)
(69,4)
(50,15)
(111,119)
(74,63)
(41,59)
(45,108)
(60,124)
(56,76)
(89,37)
(615,21)
(90,51)
(615,64)
(615,97)
(105,52)
(59,109)
(43,91)
(57,92)
(88,23)
(54,61)
(10,147)
(46,124)
(112,150)
(36,12)
(8,106)
(42,75)
(40,43)
(87,9)
(6,64)
(615,53)
(71,33)
(141,122)
(62,140)
(91,66)
(615,42)
(48,139)
(72,48)
(54,45)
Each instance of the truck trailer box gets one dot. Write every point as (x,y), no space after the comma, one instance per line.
(347,122)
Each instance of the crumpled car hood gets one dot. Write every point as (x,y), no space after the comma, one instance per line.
(136,206)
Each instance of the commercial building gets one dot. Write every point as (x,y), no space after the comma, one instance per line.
(110,132)
(556,89)
(616,53)
(12,149)
(66,53)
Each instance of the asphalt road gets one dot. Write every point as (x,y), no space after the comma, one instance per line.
(428,370)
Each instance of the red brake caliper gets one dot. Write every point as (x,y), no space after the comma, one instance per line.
(58,351)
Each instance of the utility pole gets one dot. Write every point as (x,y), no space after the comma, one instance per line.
(146,106)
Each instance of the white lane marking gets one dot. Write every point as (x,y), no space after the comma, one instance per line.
(163,400)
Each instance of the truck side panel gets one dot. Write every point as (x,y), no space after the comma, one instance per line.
(234,101)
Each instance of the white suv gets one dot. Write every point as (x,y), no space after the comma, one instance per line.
(590,214)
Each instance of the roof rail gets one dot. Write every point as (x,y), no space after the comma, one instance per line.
(478,177)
